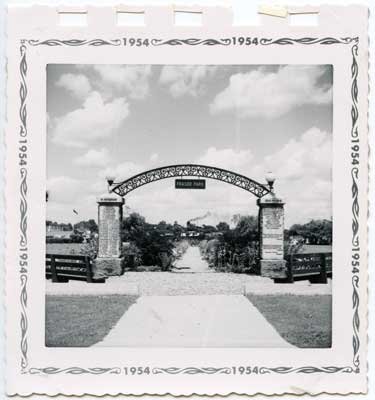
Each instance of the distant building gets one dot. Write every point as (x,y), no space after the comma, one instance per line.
(167,234)
(58,234)
(192,234)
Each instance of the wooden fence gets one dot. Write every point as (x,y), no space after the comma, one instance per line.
(62,268)
(315,267)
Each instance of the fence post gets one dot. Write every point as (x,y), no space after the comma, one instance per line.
(323,269)
(289,272)
(88,269)
(290,277)
(131,260)
(53,270)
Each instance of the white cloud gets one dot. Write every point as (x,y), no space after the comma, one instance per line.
(94,158)
(98,186)
(170,204)
(77,84)
(154,157)
(123,171)
(186,79)
(303,176)
(267,94)
(133,78)
(303,180)
(95,120)
(63,189)
(85,205)
(310,156)
(238,161)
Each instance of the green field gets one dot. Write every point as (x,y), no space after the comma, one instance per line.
(81,321)
(64,248)
(304,321)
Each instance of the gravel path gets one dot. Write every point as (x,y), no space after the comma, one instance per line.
(170,283)
(174,284)
(192,262)
(159,284)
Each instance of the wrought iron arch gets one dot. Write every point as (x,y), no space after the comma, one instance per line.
(181,170)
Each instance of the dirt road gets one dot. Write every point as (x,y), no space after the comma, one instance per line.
(191,261)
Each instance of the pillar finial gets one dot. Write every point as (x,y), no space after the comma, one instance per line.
(110,181)
(270,179)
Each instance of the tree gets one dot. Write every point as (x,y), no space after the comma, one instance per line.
(165,228)
(246,230)
(206,228)
(314,232)
(237,249)
(177,230)
(75,238)
(90,225)
(222,227)
(61,226)
(154,246)
(131,226)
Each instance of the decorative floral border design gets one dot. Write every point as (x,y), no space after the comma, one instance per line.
(191,42)
(354,41)
(259,370)
(74,371)
(75,42)
(23,207)
(308,40)
(192,370)
(355,147)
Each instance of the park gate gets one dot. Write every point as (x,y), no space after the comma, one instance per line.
(271,215)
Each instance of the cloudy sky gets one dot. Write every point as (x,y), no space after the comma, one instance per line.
(122,119)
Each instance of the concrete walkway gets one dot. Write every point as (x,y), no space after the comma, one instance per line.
(193,321)
(191,261)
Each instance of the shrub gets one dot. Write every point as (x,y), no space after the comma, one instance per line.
(155,247)
(75,238)
(90,248)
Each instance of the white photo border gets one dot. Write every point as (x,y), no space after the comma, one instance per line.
(354,366)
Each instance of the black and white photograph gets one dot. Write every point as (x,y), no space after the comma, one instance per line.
(189,206)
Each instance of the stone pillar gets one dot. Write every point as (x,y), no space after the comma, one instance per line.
(109,260)
(271,237)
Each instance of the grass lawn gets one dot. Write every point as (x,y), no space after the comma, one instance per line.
(304,321)
(64,248)
(81,321)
